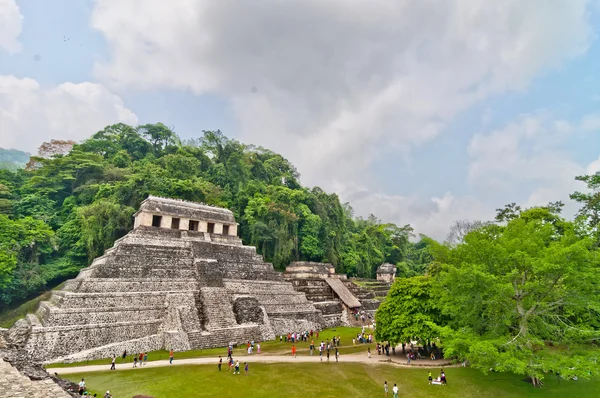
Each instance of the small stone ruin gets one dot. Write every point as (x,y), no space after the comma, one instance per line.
(181,279)
(386,272)
(331,293)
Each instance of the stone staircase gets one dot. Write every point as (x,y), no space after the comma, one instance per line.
(217,308)
(379,289)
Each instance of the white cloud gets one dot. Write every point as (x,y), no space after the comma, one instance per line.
(336,79)
(31,114)
(10,26)
(530,152)
(335,85)
(432,217)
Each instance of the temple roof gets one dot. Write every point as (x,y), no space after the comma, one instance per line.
(185,209)
(386,268)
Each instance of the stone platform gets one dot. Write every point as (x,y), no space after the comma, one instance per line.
(333,294)
(180,280)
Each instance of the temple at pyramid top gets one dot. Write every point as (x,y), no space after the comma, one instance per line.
(189,216)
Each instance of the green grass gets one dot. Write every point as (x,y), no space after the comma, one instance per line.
(321,380)
(10,316)
(268,347)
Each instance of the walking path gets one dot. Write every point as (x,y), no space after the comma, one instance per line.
(259,358)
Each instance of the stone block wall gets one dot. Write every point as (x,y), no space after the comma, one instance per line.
(167,288)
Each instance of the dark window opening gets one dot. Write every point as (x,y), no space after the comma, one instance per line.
(225,229)
(175,223)
(193,225)
(156,221)
(211,228)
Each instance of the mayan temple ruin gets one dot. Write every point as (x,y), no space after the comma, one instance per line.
(181,279)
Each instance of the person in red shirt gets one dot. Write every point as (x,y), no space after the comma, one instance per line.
(294,351)
(171,357)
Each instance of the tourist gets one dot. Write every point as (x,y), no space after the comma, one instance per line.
(81,387)
(338,341)
(395,390)
(220,362)
(237,367)
(145,358)
(171,357)
(337,354)
(429,377)
(369,352)
(107,395)
(245,368)
(385,388)
(141,358)
(327,354)
(135,361)
(258,348)
(294,351)
(230,364)
(124,356)
(280,338)
(443,377)
(321,352)
(112,365)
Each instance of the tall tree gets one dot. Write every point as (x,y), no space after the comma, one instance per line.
(510,291)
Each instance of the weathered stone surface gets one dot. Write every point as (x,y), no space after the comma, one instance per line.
(19,333)
(333,294)
(159,287)
(20,376)
(386,272)
(247,310)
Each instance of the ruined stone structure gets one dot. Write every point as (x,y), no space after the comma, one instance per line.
(333,294)
(386,272)
(181,279)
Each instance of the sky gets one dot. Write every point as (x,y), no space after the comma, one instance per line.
(420,112)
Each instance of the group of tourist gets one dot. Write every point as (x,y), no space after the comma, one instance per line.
(250,345)
(298,336)
(440,380)
(142,357)
(235,365)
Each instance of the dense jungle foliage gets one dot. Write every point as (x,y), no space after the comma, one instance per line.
(519,295)
(73,201)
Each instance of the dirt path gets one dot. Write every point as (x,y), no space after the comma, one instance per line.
(259,358)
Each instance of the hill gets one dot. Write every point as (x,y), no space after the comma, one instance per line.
(13,159)
(76,200)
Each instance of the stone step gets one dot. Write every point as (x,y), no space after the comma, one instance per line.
(102,285)
(108,300)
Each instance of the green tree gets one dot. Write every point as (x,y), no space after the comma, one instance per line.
(510,291)
(409,312)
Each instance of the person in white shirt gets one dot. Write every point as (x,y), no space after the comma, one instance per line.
(81,387)
(395,390)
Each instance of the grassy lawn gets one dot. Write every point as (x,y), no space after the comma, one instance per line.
(268,347)
(321,380)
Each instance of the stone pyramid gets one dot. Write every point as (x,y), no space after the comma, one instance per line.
(181,279)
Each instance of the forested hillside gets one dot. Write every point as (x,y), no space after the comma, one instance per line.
(71,203)
(13,159)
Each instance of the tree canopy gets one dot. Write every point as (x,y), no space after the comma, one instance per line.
(77,199)
(519,295)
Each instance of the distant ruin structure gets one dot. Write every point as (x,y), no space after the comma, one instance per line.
(386,272)
(181,279)
(331,293)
